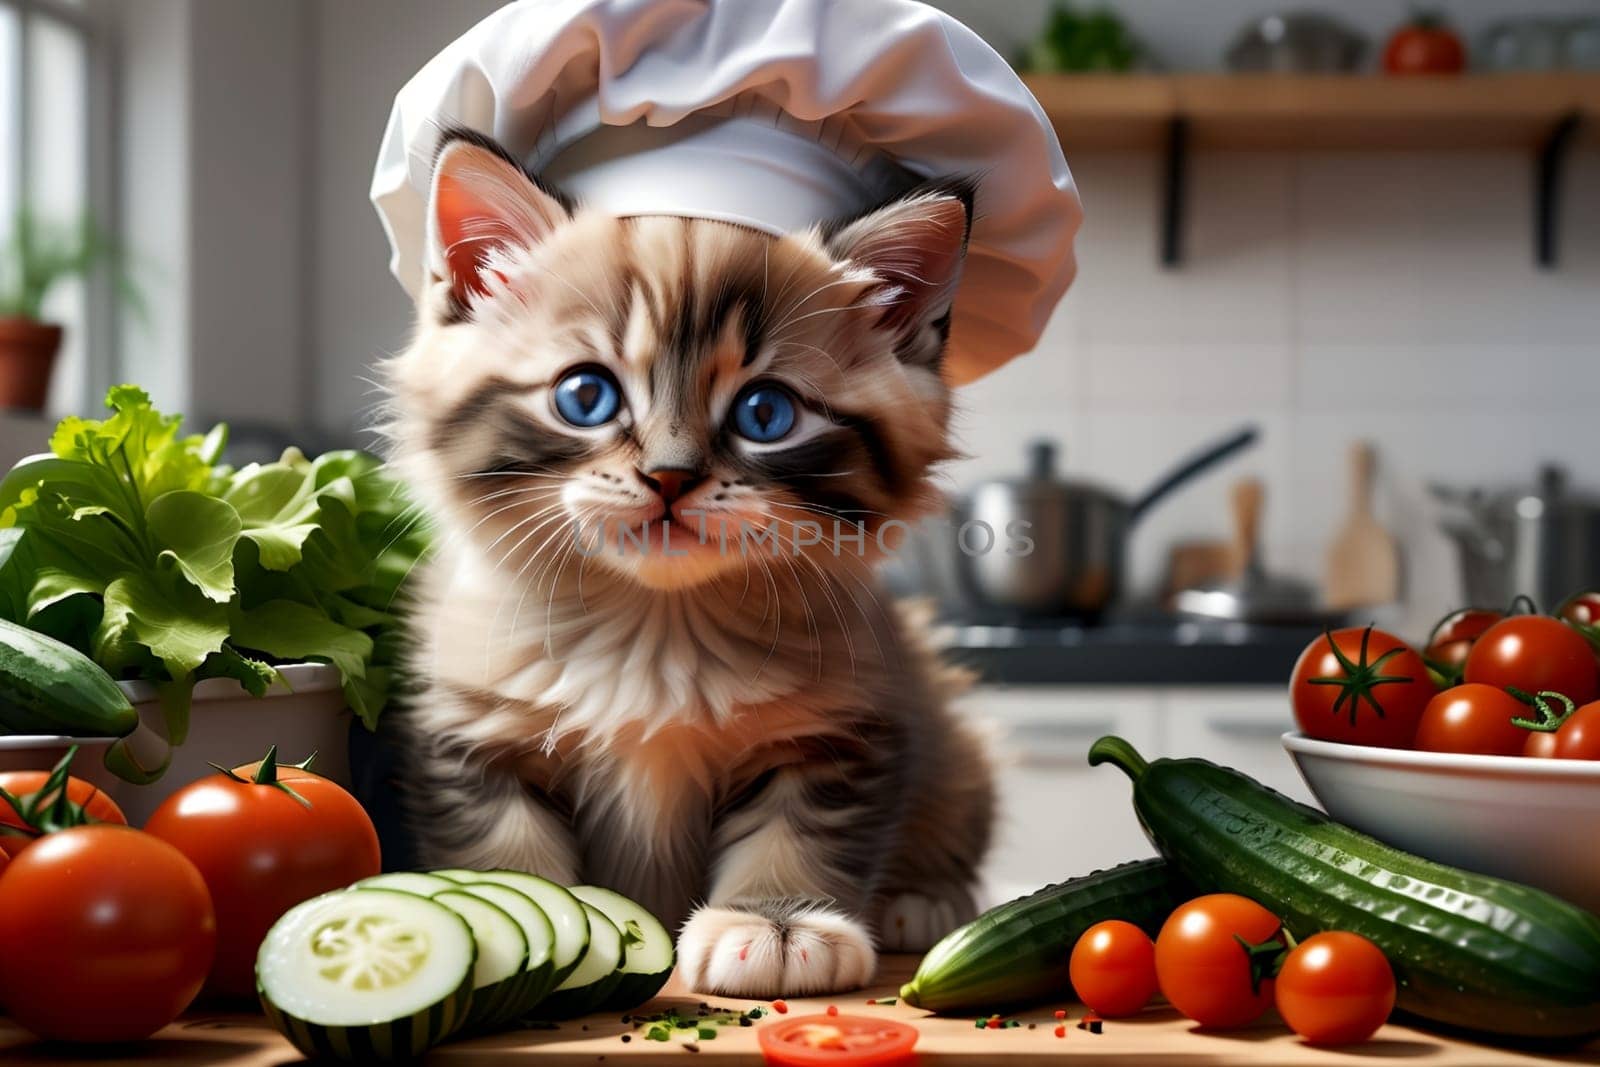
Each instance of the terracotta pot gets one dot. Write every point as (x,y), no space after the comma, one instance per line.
(27,355)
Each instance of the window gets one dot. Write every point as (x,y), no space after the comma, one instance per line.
(52,124)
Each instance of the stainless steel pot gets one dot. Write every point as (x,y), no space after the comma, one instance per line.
(1542,542)
(1059,547)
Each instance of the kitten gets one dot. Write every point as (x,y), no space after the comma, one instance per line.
(743,736)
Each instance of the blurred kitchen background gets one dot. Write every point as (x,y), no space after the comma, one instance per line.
(1408,262)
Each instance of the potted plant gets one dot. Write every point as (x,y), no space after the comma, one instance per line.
(36,257)
(236,608)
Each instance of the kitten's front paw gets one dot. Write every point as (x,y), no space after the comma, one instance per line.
(777,951)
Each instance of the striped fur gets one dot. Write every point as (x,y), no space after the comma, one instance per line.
(758,735)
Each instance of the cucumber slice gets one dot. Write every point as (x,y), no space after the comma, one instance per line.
(562,908)
(423,885)
(647,950)
(596,977)
(500,978)
(367,975)
(536,929)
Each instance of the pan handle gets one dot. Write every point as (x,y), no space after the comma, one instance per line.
(1192,467)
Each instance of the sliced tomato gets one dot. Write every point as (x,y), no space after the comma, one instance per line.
(847,1040)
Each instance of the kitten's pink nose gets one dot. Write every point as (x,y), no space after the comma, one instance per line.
(672,482)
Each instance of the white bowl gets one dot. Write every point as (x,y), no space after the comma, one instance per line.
(305,713)
(1535,821)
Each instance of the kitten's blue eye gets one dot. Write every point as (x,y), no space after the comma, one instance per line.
(764,413)
(588,397)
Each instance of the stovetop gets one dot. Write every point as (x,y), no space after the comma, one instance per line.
(1133,647)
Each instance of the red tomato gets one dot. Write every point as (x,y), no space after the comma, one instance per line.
(1425,46)
(1474,718)
(1453,637)
(16,834)
(1583,609)
(1335,989)
(837,1041)
(1579,737)
(1541,744)
(1535,653)
(1203,969)
(1367,688)
(108,934)
(262,851)
(1113,968)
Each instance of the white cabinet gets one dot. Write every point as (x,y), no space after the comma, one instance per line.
(1239,728)
(1058,817)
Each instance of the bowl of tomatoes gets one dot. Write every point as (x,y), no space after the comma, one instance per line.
(1479,748)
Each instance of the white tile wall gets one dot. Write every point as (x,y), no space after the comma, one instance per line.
(1325,297)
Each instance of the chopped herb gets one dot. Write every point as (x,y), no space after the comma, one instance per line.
(887,1000)
(659,1032)
(687,1024)
(705,1033)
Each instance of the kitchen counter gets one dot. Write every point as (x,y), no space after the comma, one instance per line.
(1127,653)
(1158,1038)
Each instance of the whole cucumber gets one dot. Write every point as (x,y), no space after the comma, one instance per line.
(1468,951)
(47,687)
(1018,952)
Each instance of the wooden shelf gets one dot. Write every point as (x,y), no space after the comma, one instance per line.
(1543,114)
(1335,112)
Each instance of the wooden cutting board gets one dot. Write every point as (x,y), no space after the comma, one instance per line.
(1158,1038)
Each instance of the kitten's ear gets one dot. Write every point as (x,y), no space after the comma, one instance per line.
(482,201)
(916,246)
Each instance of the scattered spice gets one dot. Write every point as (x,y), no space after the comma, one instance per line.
(1033,1026)
(994,1024)
(780,1007)
(833,1009)
(1061,1031)
(691,1047)
(626,1038)
(1061,1013)
(1091,1023)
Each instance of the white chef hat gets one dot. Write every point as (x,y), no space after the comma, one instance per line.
(776,114)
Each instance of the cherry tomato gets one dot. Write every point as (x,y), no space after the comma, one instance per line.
(1534,653)
(1474,718)
(1113,968)
(1583,609)
(1367,688)
(1579,736)
(1335,989)
(1203,969)
(1453,637)
(108,932)
(837,1041)
(1582,613)
(1541,744)
(1425,45)
(264,837)
(90,804)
